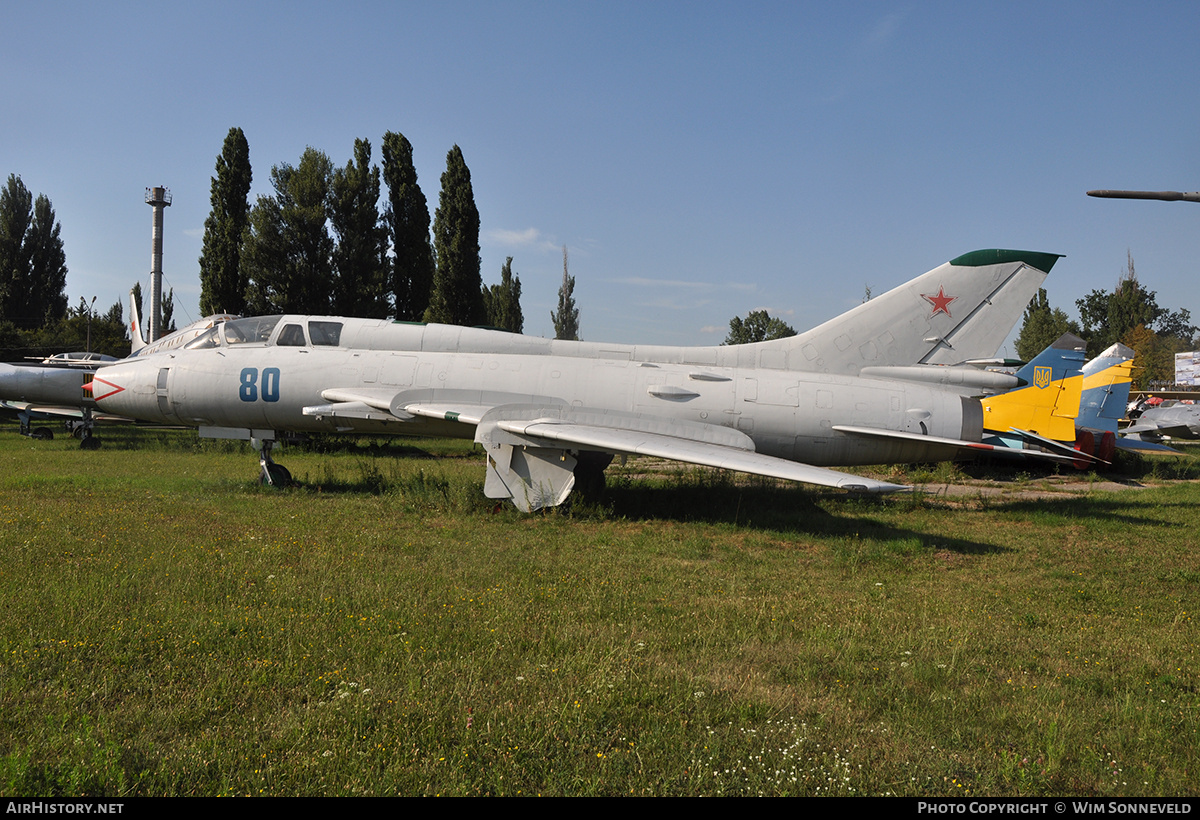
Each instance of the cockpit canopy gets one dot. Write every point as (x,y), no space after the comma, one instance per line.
(261,330)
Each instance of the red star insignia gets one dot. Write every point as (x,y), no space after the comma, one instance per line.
(941,302)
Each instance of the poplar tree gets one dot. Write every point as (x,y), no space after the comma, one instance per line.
(33,264)
(566,318)
(407,220)
(166,313)
(457,297)
(502,302)
(47,295)
(222,277)
(359,259)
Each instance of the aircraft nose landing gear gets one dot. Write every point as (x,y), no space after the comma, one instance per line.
(84,430)
(272,474)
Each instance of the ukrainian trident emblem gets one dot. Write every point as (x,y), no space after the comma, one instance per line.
(1041,376)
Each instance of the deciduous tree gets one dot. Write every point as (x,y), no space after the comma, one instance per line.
(1108,317)
(289,252)
(81,328)
(166,314)
(1042,326)
(16,214)
(758,326)
(1131,315)
(1153,361)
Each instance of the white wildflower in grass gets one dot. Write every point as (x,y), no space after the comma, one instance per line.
(777,758)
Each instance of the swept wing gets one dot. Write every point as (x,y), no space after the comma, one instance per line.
(528,442)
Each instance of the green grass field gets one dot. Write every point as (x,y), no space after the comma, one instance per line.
(171,628)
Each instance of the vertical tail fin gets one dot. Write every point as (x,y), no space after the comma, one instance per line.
(135,327)
(961,310)
(1106,381)
(1049,402)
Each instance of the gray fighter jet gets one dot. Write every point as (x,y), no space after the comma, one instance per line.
(893,380)
(1171,419)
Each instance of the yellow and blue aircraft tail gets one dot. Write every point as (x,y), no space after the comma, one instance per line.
(1048,401)
(1106,383)
(1042,411)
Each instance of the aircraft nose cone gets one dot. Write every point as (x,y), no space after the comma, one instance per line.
(101,388)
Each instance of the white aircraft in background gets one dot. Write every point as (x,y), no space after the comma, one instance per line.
(57,387)
(1171,419)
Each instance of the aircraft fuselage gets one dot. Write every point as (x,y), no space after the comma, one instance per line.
(44,384)
(266,387)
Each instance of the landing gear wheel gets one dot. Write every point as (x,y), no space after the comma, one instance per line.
(270,473)
(42,434)
(275,475)
(589,473)
(82,430)
(89,443)
(1085,443)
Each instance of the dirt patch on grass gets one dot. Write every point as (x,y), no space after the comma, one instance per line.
(1022,490)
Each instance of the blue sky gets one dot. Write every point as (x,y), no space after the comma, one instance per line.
(699,160)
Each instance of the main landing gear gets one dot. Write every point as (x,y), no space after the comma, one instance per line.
(38,433)
(80,429)
(589,473)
